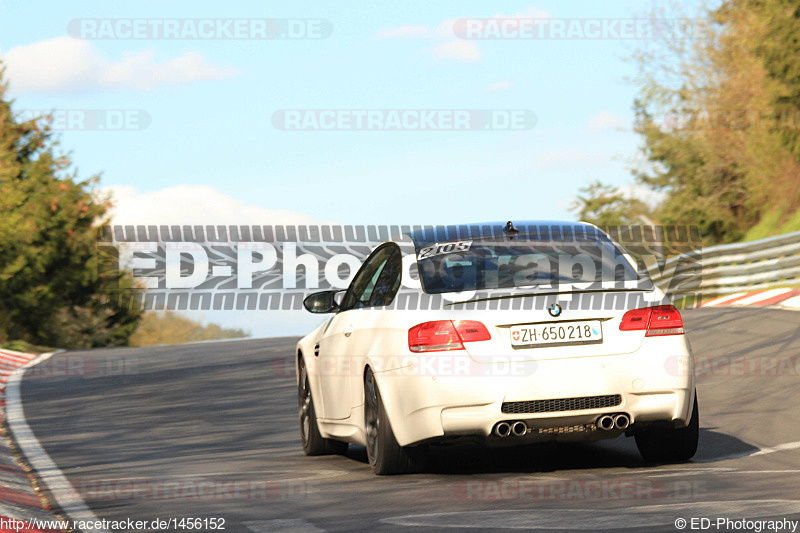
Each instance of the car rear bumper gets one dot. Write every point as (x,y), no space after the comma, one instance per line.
(652,388)
(648,407)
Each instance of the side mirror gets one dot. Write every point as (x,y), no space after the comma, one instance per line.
(321,302)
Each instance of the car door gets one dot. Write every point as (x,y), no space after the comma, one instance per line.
(343,344)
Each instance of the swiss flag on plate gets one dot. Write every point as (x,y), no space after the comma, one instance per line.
(515,336)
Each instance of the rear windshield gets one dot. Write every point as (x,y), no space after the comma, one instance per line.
(496,264)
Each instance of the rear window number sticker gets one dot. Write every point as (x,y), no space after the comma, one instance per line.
(443,248)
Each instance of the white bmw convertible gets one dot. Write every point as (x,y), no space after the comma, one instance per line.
(503,333)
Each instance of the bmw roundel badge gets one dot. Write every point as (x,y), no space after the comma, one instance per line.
(554,310)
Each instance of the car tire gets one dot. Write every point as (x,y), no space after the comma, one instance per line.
(313,442)
(385,456)
(662,444)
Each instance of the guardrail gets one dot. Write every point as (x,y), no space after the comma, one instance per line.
(730,268)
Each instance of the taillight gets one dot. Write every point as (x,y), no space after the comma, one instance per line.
(440,335)
(434,336)
(635,319)
(665,320)
(658,320)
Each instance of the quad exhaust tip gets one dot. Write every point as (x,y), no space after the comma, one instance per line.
(617,421)
(506,429)
(621,421)
(503,429)
(605,422)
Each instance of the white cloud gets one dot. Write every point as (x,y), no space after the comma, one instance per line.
(607,120)
(499,86)
(141,70)
(192,205)
(409,31)
(464,51)
(449,48)
(64,64)
(453,50)
(204,205)
(571,157)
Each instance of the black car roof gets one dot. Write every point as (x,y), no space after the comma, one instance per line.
(530,229)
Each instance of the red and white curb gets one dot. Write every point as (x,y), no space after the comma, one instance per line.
(785,298)
(59,487)
(18,499)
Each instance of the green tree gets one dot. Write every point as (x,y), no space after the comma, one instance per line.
(780,50)
(706,113)
(604,206)
(50,284)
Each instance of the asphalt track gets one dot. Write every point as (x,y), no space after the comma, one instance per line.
(210,430)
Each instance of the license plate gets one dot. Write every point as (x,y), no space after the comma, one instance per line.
(557,334)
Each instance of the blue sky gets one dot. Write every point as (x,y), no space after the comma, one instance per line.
(211,101)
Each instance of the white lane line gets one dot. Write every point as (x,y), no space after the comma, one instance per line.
(723,299)
(766,295)
(704,471)
(762,451)
(287,525)
(779,448)
(767,472)
(722,457)
(61,489)
(687,473)
(316,475)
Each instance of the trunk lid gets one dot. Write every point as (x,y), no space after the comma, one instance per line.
(502,315)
